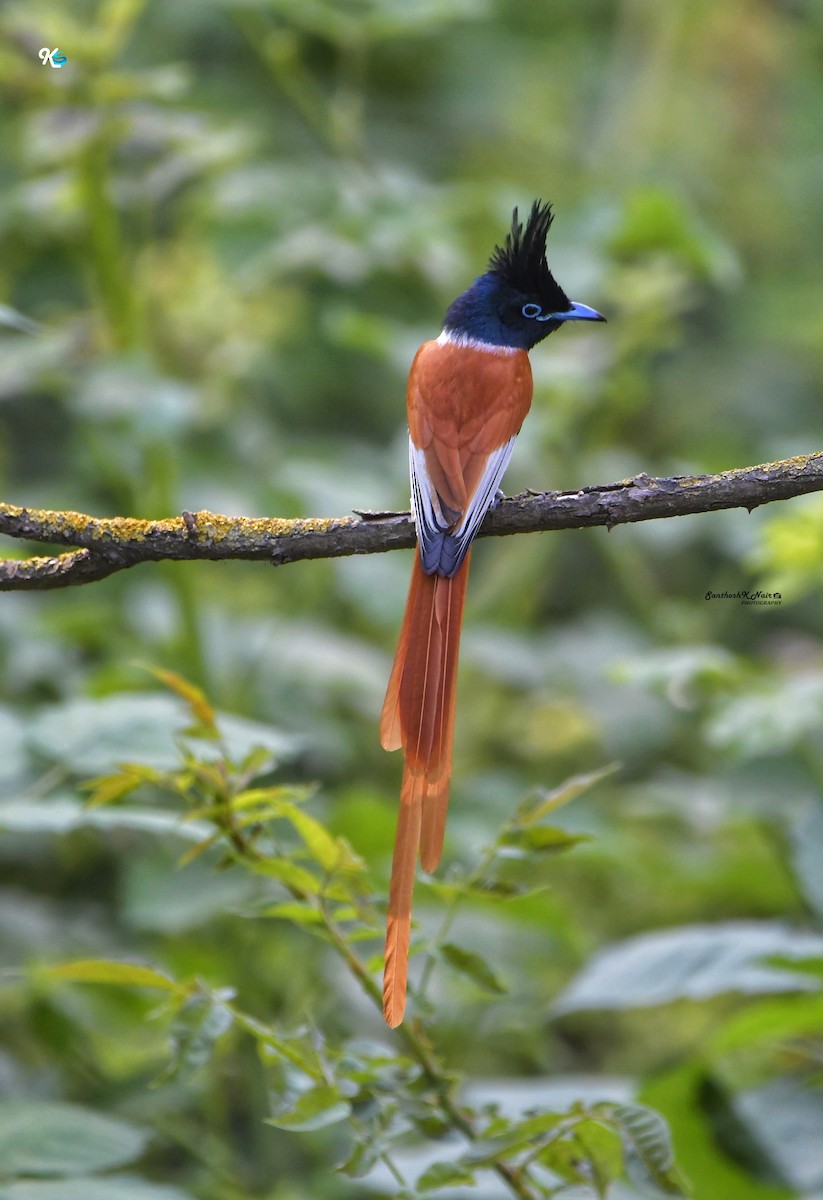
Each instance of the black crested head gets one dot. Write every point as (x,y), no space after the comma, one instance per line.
(521,261)
(517,302)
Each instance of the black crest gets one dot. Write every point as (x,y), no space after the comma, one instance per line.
(521,260)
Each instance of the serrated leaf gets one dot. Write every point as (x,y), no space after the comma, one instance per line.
(473,966)
(121,974)
(646,1134)
(445,1174)
(63,1139)
(315,1109)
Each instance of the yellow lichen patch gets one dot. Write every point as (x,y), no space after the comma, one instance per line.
(79,522)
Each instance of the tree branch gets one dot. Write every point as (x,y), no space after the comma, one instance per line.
(103,546)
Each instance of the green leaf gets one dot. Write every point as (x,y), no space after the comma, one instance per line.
(62,1139)
(160,896)
(545,802)
(540,839)
(473,966)
(194,698)
(646,1135)
(94,737)
(121,974)
(108,789)
(113,1187)
(62,814)
(693,962)
(332,854)
(289,873)
(297,914)
(445,1174)
(267,801)
(785,1119)
(520,1135)
(197,1027)
(768,1024)
(772,720)
(315,1109)
(680,1096)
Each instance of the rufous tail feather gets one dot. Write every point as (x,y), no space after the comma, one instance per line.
(418,714)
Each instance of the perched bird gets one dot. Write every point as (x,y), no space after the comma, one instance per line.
(468,394)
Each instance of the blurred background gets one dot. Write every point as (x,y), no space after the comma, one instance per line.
(233,223)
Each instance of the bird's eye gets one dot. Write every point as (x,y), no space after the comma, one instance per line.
(531,310)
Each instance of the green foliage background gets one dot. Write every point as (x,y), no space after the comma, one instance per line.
(233,223)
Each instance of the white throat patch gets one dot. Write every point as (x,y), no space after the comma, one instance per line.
(449,338)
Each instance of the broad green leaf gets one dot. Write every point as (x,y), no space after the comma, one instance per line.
(445,1174)
(62,1139)
(112,1187)
(693,962)
(93,737)
(160,896)
(679,1095)
(473,966)
(785,1117)
(771,720)
(315,1109)
(62,814)
(121,974)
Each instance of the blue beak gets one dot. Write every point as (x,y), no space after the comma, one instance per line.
(578,312)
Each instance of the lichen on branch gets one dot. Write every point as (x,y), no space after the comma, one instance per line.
(99,546)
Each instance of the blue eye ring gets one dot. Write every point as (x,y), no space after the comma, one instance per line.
(531,310)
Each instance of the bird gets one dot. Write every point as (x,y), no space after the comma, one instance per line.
(469,391)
